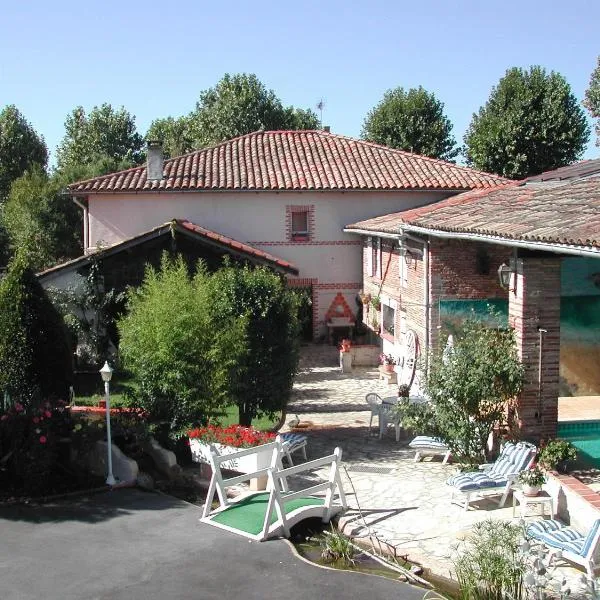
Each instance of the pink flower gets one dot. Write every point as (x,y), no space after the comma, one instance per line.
(18,407)
(3,417)
(47,414)
(36,420)
(43,439)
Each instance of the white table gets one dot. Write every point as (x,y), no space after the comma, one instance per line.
(388,415)
(524,501)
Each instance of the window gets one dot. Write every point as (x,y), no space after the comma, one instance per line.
(389,317)
(300,226)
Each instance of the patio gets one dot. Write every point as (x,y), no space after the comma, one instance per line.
(405,504)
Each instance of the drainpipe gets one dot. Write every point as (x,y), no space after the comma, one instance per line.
(426,300)
(541,332)
(86,224)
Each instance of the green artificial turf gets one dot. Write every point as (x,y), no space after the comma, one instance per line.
(249,514)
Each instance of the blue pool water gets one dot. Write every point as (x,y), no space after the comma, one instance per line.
(585,435)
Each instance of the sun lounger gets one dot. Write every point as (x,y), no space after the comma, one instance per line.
(425,445)
(293,442)
(498,479)
(566,542)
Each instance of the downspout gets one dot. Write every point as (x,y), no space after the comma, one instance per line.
(426,300)
(86,224)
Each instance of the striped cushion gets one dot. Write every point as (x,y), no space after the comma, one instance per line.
(293,440)
(589,540)
(425,441)
(561,538)
(473,481)
(538,527)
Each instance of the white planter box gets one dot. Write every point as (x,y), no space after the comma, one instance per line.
(245,464)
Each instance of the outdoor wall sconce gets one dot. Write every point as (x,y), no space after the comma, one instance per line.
(505,273)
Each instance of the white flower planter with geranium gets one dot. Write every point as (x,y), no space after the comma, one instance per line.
(226,440)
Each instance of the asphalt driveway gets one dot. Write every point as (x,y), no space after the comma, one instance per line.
(131,544)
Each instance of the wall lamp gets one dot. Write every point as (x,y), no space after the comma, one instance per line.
(505,274)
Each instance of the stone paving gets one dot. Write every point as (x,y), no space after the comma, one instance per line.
(406,504)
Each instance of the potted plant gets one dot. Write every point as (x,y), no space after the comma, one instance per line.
(532,481)
(387,361)
(345,345)
(403,391)
(556,454)
(376,303)
(365,298)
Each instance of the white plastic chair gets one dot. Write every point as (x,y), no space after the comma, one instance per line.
(374,401)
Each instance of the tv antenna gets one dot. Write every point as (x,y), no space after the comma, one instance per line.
(320,107)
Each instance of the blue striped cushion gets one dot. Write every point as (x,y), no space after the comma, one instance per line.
(501,467)
(293,439)
(561,537)
(521,457)
(538,527)
(590,537)
(473,481)
(426,441)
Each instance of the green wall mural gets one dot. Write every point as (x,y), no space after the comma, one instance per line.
(579,323)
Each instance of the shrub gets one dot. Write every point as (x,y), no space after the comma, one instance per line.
(471,385)
(35,353)
(490,566)
(29,446)
(556,453)
(264,359)
(174,349)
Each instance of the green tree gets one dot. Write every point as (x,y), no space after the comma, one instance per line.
(412,120)
(531,123)
(20,148)
(35,352)
(105,132)
(261,375)
(240,104)
(592,99)
(179,359)
(37,213)
(174,133)
(471,387)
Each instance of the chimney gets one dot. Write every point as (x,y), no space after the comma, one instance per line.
(155,161)
(326,128)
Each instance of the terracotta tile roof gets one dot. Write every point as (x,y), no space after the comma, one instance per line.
(563,212)
(295,160)
(187,227)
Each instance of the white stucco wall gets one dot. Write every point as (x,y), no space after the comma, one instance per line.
(259,218)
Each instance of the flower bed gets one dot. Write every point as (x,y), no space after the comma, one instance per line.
(227,440)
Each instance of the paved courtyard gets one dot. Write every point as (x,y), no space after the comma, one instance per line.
(404,504)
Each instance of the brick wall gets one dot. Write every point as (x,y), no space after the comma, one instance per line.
(535,305)
(463,270)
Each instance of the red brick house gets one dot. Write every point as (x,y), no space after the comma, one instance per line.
(430,263)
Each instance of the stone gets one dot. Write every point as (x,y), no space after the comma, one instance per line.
(164,459)
(416,569)
(145,481)
(125,469)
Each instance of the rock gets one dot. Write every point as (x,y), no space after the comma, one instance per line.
(402,578)
(145,481)
(417,570)
(125,469)
(164,459)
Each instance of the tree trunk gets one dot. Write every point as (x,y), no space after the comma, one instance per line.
(245,416)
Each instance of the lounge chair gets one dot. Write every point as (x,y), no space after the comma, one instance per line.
(498,478)
(425,445)
(293,442)
(566,542)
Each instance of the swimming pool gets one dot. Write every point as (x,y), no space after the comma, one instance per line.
(585,435)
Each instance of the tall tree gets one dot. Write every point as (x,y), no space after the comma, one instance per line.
(105,132)
(241,104)
(20,148)
(592,99)
(37,213)
(174,133)
(531,123)
(412,120)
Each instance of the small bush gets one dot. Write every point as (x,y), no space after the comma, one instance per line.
(335,546)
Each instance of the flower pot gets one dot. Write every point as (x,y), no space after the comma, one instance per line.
(245,464)
(388,368)
(531,490)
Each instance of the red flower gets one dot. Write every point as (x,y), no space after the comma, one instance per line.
(43,439)
(47,414)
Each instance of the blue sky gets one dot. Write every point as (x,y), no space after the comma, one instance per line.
(154,58)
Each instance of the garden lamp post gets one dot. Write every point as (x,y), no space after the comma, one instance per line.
(106,373)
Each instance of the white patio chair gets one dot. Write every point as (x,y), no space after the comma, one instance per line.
(374,401)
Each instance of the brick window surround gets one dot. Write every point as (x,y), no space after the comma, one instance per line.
(300,223)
